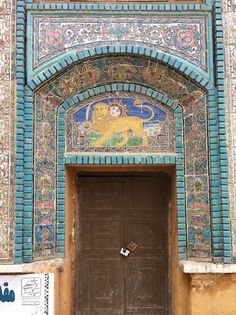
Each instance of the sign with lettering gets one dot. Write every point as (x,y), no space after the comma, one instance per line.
(28,294)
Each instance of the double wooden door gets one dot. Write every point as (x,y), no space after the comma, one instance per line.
(114,211)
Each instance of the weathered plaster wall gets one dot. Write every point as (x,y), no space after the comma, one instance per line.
(229,28)
(7,112)
(213,294)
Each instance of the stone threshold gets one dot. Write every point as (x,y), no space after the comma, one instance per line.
(206,267)
(42,266)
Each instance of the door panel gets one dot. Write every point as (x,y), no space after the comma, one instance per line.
(100,289)
(114,211)
(144,292)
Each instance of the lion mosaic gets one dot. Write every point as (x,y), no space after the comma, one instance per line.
(111,119)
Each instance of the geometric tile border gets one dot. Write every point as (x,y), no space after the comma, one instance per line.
(20,108)
(219,75)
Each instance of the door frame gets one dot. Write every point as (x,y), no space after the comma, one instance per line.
(179,283)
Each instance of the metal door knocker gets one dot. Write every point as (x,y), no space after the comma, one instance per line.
(131,247)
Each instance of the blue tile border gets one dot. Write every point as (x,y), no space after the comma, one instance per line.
(223,161)
(120,160)
(28,177)
(20,129)
(122,7)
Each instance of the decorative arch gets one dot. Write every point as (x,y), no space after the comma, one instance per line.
(148,91)
(64,62)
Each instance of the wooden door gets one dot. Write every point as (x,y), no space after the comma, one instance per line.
(112,212)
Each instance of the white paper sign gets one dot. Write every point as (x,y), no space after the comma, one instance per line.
(29,294)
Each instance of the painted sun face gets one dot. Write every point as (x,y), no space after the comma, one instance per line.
(115,111)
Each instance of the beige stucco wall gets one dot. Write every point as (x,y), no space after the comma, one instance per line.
(210,294)
(213,294)
(192,294)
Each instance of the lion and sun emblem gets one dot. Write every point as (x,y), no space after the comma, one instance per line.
(118,123)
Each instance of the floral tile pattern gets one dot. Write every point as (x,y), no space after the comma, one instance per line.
(6,130)
(183,36)
(120,69)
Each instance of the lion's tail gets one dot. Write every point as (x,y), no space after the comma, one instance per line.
(149,108)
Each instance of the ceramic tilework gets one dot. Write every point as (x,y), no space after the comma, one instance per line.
(119,125)
(183,36)
(120,69)
(192,173)
(94,73)
(71,2)
(223,204)
(197,177)
(45,181)
(229,23)
(6,130)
